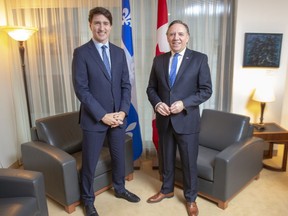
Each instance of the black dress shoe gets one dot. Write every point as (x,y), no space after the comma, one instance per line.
(90,210)
(127,195)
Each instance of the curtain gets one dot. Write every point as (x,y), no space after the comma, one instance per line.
(63,26)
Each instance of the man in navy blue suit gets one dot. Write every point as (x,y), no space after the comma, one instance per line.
(179,82)
(101,83)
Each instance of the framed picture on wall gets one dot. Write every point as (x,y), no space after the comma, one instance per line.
(262,50)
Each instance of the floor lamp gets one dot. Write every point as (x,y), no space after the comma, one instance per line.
(21,34)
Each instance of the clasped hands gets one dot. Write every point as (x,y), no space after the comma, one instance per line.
(165,110)
(114,119)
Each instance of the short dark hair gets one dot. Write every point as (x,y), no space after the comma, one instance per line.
(100,10)
(179,22)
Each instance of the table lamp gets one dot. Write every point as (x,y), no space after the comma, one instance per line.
(21,34)
(263,94)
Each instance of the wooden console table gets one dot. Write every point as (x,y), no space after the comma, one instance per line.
(274,134)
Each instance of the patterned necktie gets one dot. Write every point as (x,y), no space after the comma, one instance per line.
(173,70)
(106,60)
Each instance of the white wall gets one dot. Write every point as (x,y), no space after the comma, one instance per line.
(262,16)
(8,139)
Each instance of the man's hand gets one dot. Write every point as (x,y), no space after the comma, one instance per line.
(114,119)
(109,119)
(177,107)
(163,109)
(119,116)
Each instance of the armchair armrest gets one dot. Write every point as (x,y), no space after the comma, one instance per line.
(58,167)
(24,183)
(237,165)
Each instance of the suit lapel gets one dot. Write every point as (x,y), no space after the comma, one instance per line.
(95,54)
(185,62)
(113,56)
(166,58)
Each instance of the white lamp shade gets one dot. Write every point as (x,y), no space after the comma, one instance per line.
(19,33)
(264,94)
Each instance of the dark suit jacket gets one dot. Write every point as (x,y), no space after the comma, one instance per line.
(98,93)
(192,86)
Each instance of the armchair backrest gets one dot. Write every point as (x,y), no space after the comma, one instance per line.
(220,129)
(62,131)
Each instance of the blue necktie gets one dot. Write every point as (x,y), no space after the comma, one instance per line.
(106,60)
(173,70)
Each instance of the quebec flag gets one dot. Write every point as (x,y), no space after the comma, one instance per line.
(133,127)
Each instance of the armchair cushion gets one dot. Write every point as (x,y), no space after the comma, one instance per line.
(206,163)
(104,162)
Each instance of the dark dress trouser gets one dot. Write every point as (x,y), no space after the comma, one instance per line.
(91,149)
(188,149)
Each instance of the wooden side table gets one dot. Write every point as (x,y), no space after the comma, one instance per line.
(274,134)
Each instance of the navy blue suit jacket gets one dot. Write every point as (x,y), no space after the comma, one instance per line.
(192,85)
(98,93)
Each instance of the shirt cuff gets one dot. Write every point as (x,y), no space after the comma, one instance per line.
(157,105)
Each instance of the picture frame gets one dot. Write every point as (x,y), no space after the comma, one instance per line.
(262,50)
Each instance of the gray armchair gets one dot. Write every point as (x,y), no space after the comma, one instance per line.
(22,193)
(229,156)
(56,152)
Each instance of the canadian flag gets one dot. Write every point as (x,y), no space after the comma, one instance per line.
(162,46)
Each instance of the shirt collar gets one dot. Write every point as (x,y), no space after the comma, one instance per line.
(180,53)
(99,45)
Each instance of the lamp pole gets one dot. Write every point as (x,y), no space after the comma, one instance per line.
(22,56)
(21,34)
(263,104)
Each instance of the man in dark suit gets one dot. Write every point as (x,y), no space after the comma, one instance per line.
(179,82)
(101,83)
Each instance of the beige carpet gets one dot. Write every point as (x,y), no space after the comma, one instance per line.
(267,196)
